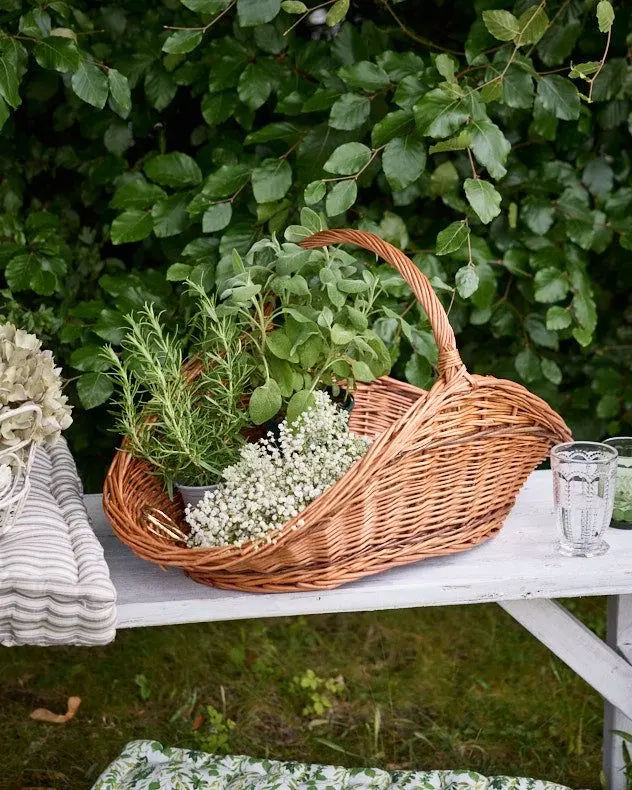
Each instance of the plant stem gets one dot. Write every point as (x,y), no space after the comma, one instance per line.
(602,62)
(306,14)
(474,173)
(414,36)
(204,28)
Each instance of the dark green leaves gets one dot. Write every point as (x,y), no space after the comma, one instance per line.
(217,217)
(120,96)
(294,6)
(489,145)
(518,88)
(34,271)
(210,7)
(182,41)
(550,285)
(254,85)
(314,192)
(349,112)
(501,24)
(605,15)
(598,177)
(137,194)
(609,405)
(440,113)
(532,25)
(262,123)
(159,87)
(169,216)
(527,29)
(9,80)
(559,96)
(271,180)
(218,107)
(403,161)
(57,53)
(173,170)
(528,365)
(132,225)
(453,238)
(348,158)
(365,75)
(341,197)
(94,389)
(257,12)
(337,12)
(226,180)
(558,318)
(537,214)
(396,124)
(551,371)
(90,83)
(466,281)
(483,197)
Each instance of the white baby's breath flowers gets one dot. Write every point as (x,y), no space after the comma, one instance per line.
(275,480)
(29,375)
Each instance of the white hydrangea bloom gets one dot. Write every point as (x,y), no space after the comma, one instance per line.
(29,375)
(276,479)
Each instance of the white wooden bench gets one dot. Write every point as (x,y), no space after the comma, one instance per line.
(519,570)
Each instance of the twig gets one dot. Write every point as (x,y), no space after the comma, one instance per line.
(235,195)
(474,173)
(550,25)
(451,301)
(414,36)
(470,261)
(292,148)
(306,14)
(602,62)
(500,77)
(210,24)
(357,175)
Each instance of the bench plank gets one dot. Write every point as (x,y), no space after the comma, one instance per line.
(519,563)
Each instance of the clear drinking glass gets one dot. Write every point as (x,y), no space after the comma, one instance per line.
(622,513)
(584,475)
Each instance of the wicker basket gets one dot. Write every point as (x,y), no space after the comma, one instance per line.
(440,477)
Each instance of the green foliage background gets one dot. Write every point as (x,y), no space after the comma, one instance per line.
(141,143)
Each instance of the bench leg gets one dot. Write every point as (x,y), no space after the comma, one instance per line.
(620,638)
(606,666)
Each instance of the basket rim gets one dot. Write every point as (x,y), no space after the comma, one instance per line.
(122,461)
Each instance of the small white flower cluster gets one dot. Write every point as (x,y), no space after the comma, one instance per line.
(29,375)
(275,479)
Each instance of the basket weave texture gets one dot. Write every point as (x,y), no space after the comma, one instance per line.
(441,475)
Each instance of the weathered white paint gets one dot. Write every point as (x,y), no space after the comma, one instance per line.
(594,660)
(619,638)
(519,563)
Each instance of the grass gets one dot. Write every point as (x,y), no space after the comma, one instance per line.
(457,687)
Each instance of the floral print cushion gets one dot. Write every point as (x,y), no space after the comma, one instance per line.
(147,765)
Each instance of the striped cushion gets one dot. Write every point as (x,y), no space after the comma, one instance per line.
(55,587)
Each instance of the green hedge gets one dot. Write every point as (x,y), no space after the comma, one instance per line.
(140,145)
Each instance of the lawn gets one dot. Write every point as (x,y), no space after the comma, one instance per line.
(457,687)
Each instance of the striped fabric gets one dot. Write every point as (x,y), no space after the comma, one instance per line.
(55,587)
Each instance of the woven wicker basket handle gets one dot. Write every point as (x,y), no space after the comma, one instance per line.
(450,364)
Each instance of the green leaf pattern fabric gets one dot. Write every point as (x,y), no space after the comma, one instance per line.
(147,765)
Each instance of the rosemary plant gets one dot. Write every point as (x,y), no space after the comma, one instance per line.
(188,428)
